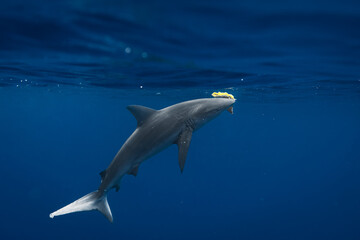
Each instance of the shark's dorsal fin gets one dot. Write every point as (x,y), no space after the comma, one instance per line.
(141,113)
(183,143)
(134,171)
(102,174)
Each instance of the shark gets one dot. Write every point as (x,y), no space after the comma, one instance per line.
(156,130)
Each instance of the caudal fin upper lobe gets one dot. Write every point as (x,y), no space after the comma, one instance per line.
(91,201)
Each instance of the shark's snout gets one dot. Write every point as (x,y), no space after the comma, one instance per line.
(230,108)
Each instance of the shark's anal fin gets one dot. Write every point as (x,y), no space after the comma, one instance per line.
(141,113)
(183,145)
(134,171)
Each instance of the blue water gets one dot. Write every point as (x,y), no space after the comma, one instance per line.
(284,166)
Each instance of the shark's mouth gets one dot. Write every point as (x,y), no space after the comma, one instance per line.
(224,95)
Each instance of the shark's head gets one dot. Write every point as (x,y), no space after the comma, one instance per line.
(210,108)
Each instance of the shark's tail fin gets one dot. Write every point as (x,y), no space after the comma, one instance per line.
(91,201)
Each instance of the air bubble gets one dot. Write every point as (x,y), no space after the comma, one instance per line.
(127,50)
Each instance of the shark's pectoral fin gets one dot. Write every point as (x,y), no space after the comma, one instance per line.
(134,171)
(183,145)
(140,113)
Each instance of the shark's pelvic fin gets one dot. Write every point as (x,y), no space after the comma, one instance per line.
(141,113)
(183,145)
(91,201)
(134,171)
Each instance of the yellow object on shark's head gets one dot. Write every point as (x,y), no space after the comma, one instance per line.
(222,95)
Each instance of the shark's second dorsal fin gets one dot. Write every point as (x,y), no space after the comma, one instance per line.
(102,174)
(141,113)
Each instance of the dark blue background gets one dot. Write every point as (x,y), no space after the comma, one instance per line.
(284,166)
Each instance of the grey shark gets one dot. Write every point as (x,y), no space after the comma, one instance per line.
(156,130)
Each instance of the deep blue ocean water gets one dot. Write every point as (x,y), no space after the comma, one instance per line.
(286,165)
